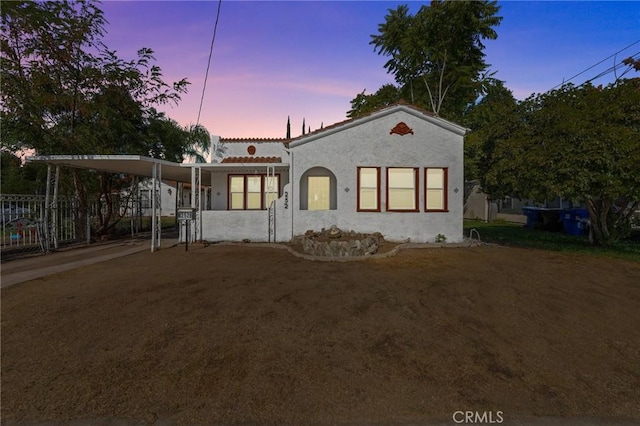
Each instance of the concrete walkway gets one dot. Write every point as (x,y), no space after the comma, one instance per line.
(20,270)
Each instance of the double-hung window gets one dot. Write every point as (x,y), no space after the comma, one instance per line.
(369,189)
(254,192)
(435,192)
(402,189)
(249,192)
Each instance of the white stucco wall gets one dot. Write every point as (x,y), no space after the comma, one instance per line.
(264,148)
(237,225)
(369,144)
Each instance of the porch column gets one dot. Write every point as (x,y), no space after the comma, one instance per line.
(51,210)
(196,188)
(156,209)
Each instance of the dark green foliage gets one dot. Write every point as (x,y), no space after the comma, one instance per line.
(491,121)
(364,104)
(436,56)
(578,143)
(18,178)
(64,92)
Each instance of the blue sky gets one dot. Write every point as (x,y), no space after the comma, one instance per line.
(308,59)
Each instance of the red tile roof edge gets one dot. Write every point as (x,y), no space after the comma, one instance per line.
(333,126)
(341,123)
(254,140)
(237,160)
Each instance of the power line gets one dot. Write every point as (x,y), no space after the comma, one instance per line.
(595,65)
(614,68)
(206,74)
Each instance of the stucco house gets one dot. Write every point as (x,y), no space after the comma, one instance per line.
(397,171)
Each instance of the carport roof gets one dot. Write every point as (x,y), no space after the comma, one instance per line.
(137,165)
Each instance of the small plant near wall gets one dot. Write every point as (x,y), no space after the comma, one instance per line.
(440,238)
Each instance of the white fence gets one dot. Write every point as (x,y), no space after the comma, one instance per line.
(23,223)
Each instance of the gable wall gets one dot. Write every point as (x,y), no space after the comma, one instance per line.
(263,149)
(371,145)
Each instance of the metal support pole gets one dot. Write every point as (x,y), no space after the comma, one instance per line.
(54,205)
(196,188)
(271,208)
(154,172)
(159,206)
(186,241)
(50,212)
(47,210)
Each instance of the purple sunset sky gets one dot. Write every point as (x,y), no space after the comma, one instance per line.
(274,59)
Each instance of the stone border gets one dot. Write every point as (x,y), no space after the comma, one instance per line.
(390,253)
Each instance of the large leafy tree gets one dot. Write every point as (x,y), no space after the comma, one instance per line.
(65,92)
(18,178)
(492,121)
(436,55)
(580,143)
(364,104)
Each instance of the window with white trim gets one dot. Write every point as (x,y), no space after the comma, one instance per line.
(402,189)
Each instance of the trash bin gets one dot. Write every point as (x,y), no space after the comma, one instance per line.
(581,217)
(575,222)
(532,214)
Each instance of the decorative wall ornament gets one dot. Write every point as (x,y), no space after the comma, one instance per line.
(401,129)
(251,149)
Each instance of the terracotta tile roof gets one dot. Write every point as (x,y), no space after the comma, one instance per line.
(253,140)
(252,160)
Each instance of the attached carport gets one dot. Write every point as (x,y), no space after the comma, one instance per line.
(135,165)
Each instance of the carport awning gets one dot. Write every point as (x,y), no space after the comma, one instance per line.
(128,164)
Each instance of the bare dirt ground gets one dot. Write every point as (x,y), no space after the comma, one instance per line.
(233,334)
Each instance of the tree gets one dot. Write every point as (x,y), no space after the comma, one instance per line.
(303,127)
(492,120)
(364,104)
(441,49)
(65,92)
(18,178)
(578,143)
(288,127)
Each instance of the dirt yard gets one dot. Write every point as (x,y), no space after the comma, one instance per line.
(234,334)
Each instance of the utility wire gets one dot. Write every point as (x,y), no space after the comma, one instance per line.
(613,68)
(206,74)
(595,65)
